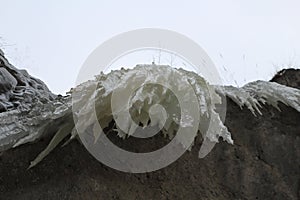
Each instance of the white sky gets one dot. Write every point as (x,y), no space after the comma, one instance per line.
(251,39)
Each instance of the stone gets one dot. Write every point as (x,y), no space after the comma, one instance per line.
(7,81)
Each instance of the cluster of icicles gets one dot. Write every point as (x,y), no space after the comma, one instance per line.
(137,90)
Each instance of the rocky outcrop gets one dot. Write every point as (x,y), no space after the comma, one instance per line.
(288,77)
(263,163)
(19,90)
(26,106)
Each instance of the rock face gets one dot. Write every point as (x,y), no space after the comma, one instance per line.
(26,106)
(18,89)
(264,163)
(289,77)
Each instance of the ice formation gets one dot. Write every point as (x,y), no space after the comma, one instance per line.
(137,92)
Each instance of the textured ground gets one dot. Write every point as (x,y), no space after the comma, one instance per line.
(264,163)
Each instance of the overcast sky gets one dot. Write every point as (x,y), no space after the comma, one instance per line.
(250,39)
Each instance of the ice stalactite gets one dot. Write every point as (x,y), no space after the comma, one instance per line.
(146,86)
